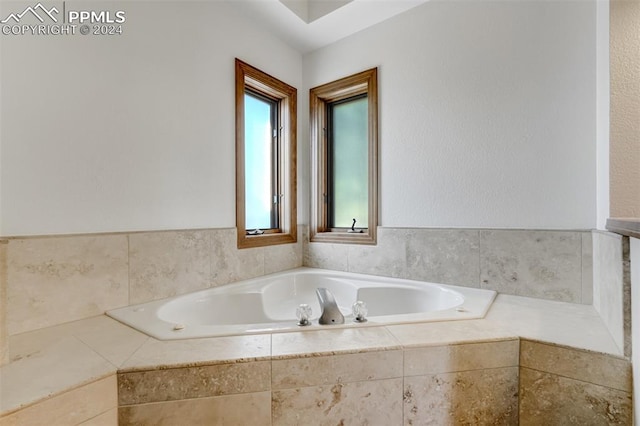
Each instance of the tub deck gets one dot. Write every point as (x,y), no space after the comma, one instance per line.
(49,365)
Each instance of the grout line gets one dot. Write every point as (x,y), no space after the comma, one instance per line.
(128,269)
(404,385)
(582,295)
(480,259)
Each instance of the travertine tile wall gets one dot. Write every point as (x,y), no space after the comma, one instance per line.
(462,384)
(4,335)
(92,404)
(611,293)
(89,274)
(431,385)
(626,295)
(560,385)
(544,264)
(57,279)
(634,278)
(506,381)
(501,382)
(363,388)
(214,394)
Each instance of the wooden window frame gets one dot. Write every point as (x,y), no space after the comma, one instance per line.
(319,99)
(249,77)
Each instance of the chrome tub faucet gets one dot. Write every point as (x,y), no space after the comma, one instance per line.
(330,312)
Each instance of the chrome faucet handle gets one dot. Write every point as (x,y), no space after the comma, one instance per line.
(360,311)
(303,312)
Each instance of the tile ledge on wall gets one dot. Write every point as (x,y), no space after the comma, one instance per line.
(146,231)
(108,233)
(489,228)
(629,227)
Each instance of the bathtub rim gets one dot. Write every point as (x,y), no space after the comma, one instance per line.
(476,305)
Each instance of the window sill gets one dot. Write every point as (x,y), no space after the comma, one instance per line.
(263,240)
(365,238)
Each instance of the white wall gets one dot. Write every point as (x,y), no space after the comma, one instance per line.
(602,120)
(131,132)
(487,115)
(625,108)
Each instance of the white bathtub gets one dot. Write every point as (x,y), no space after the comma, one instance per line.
(268,304)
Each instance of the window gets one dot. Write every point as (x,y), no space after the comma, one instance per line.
(344,138)
(265,159)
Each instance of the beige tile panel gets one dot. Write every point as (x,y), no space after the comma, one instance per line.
(551,400)
(592,367)
(108,418)
(282,257)
(4,334)
(335,341)
(387,258)
(194,382)
(480,397)
(326,370)
(376,402)
(49,371)
(608,283)
(231,410)
(69,408)
(44,272)
(445,256)
(157,354)
(164,264)
(449,332)
(564,323)
(228,264)
(626,296)
(463,357)
(587,268)
(114,341)
(326,256)
(543,264)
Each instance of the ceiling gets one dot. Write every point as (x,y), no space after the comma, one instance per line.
(307,25)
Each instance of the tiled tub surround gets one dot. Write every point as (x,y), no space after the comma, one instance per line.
(60,363)
(612,287)
(4,335)
(585,267)
(90,274)
(495,370)
(554,265)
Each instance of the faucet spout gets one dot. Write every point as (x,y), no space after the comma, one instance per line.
(330,312)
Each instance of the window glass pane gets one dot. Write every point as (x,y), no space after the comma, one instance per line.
(348,157)
(258,131)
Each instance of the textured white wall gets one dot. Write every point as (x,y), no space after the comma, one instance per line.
(602,120)
(487,114)
(131,132)
(625,108)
